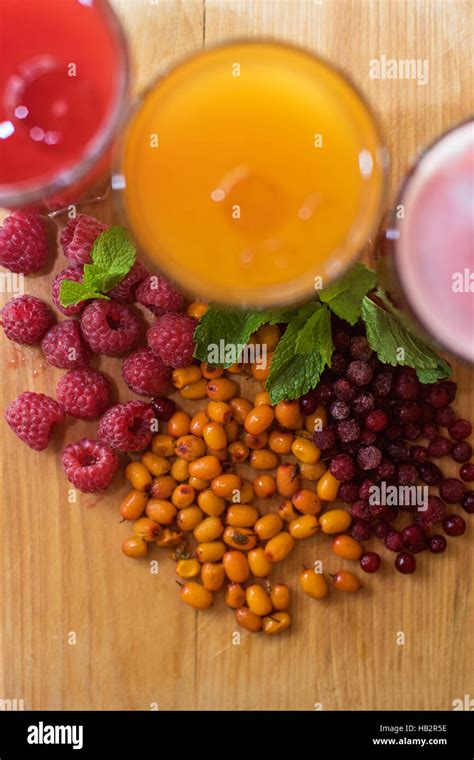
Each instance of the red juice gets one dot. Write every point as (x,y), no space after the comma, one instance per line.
(63,82)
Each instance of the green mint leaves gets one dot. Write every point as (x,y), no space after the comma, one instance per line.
(344,297)
(112,256)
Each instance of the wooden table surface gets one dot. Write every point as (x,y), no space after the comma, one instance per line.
(83,627)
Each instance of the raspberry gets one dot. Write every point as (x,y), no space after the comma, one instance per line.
(26,319)
(89,465)
(23,243)
(159,295)
(71,273)
(110,327)
(32,417)
(84,393)
(125,290)
(127,427)
(78,237)
(171,337)
(145,373)
(64,346)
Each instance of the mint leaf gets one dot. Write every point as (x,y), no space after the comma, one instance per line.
(98,279)
(344,297)
(394,344)
(317,335)
(71,293)
(113,252)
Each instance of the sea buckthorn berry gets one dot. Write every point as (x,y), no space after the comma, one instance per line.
(268,526)
(279,546)
(262,397)
(195,390)
(236,566)
(327,487)
(221,389)
(234,596)
(258,600)
(312,471)
(183,496)
(307,502)
(210,551)
(169,537)
(259,419)
(231,430)
(304,526)
(238,451)
(196,426)
(189,518)
(161,510)
(240,538)
(276,622)
(138,475)
(180,470)
(280,596)
(162,487)
(219,411)
(288,414)
(261,370)
(264,486)
(306,451)
(133,505)
(208,530)
(185,376)
(207,467)
(162,445)
(280,441)
(212,575)
(263,459)
(346,547)
(287,512)
(317,420)
(188,568)
(147,529)
(190,448)
(260,565)
(198,483)
(221,455)
(240,408)
(197,309)
(214,435)
(345,581)
(210,503)
(156,464)
(248,619)
(225,484)
(135,547)
(255,441)
(288,479)
(178,424)
(313,584)
(242,515)
(268,335)
(210,372)
(335,521)
(246,492)
(234,369)
(196,595)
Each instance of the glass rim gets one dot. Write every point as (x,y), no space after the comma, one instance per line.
(29,193)
(297,289)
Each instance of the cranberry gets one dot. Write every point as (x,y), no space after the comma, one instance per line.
(367,437)
(461,451)
(338,363)
(324,392)
(376,420)
(340,410)
(351,448)
(408,411)
(430,474)
(467,502)
(370,562)
(383,381)
(341,340)
(380,511)
(164,408)
(382,529)
(460,429)
(445,416)
(342,467)
(369,457)
(399,452)
(347,430)
(359,372)
(360,349)
(437,544)
(324,439)
(427,412)
(454,525)
(434,513)
(418,454)
(385,471)
(361,510)
(439,447)
(407,475)
(363,403)
(361,530)
(344,390)
(393,433)
(407,388)
(437,396)
(308,403)
(394,541)
(411,431)
(328,454)
(348,492)
(405,563)
(451,389)
(466,472)
(414,538)
(429,431)
(366,488)
(451,490)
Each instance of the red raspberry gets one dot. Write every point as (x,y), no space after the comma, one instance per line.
(78,237)
(64,346)
(127,427)
(171,337)
(145,373)
(159,295)
(71,273)
(110,328)
(26,319)
(125,290)
(23,243)
(32,417)
(84,393)
(89,465)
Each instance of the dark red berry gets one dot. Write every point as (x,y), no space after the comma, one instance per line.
(385,471)
(451,490)
(445,416)
(342,467)
(347,430)
(369,457)
(324,392)
(437,544)
(467,502)
(394,541)
(367,437)
(427,412)
(344,390)
(370,562)
(339,410)
(407,388)
(430,474)
(341,341)
(451,389)
(460,429)
(348,492)
(360,349)
(363,403)
(164,408)
(418,454)
(437,396)
(405,563)
(324,439)
(411,431)
(376,420)
(361,510)
(466,472)
(434,513)
(365,489)
(407,475)
(393,433)
(338,363)
(399,452)
(454,525)
(308,403)
(414,538)
(382,529)
(429,431)
(361,530)
(408,411)
(383,381)
(439,447)
(359,372)
(461,452)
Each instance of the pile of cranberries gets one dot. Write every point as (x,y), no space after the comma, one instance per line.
(386,426)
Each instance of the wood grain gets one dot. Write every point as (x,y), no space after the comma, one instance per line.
(61,570)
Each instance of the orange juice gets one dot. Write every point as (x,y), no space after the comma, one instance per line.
(252,170)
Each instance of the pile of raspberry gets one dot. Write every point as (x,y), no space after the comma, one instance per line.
(97,327)
(385,426)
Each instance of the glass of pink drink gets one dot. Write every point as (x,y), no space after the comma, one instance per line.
(427,251)
(63,89)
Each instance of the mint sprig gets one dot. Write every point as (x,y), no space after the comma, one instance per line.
(344,296)
(112,256)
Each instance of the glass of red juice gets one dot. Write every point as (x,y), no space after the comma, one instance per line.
(427,250)
(63,91)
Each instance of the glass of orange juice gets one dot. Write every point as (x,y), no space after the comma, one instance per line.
(253,173)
